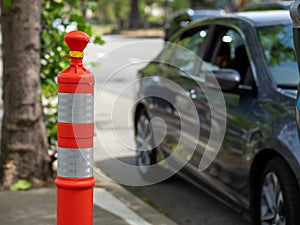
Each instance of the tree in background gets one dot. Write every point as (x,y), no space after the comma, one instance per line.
(134,15)
(84,7)
(24,143)
(195,3)
(115,12)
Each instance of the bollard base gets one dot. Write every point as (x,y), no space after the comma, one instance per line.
(74,201)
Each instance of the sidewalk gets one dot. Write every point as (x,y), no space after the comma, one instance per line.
(38,206)
(113,205)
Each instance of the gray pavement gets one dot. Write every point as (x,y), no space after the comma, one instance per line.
(38,206)
(113,205)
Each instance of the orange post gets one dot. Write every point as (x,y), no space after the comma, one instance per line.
(75,179)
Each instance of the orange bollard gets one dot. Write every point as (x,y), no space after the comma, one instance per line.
(75,180)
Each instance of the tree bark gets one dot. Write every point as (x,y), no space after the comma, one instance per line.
(83,9)
(196,3)
(24,142)
(134,15)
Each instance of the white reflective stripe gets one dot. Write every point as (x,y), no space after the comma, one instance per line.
(75,108)
(75,162)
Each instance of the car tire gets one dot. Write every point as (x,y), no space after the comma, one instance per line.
(277,200)
(145,154)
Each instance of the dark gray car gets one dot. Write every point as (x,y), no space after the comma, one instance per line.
(255,168)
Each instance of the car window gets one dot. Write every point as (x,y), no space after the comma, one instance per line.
(278,48)
(185,55)
(229,51)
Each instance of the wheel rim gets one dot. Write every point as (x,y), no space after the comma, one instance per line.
(143,134)
(272,201)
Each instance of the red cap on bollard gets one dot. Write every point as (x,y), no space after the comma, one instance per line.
(77,40)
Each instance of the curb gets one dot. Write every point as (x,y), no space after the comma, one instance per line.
(131,201)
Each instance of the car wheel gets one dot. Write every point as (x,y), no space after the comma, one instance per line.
(278,195)
(145,155)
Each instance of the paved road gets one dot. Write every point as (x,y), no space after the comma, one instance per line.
(119,59)
(186,204)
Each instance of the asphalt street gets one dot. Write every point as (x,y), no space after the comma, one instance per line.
(117,63)
(186,204)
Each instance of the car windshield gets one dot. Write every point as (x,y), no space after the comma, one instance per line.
(278,47)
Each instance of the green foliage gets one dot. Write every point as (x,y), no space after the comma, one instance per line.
(21,185)
(53,53)
(114,11)
(117,12)
(92,6)
(179,4)
(7,4)
(277,44)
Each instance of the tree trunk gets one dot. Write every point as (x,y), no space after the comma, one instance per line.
(24,142)
(134,15)
(196,3)
(242,5)
(83,7)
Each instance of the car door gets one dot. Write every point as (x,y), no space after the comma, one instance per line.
(228,170)
(178,65)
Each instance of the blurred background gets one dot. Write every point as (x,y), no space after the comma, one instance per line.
(120,31)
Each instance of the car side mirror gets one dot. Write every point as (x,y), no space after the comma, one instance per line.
(228,79)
